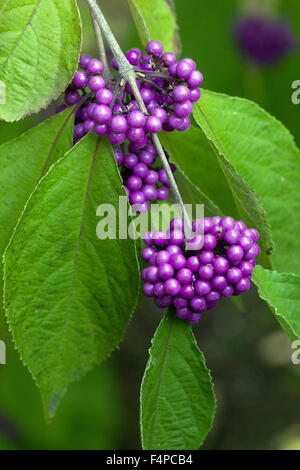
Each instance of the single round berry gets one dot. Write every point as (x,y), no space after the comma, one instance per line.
(243,285)
(72,97)
(148,289)
(137,197)
(153,125)
(220,265)
(227,222)
(134,183)
(195,94)
(202,288)
(162,257)
(193,264)
(168,58)
(213,296)
(155,48)
(245,242)
(102,113)
(181,93)
(165,272)
(195,79)
(147,252)
(232,236)
(176,237)
(172,286)
(104,96)
(118,124)
(210,242)
(116,138)
(174,250)
(183,109)
(151,177)
(133,56)
(246,268)
(159,289)
(162,194)
(228,291)
(159,237)
(136,119)
(206,257)
(235,253)
(95,66)
(96,83)
(187,291)
(130,160)
(206,272)
(150,192)
(140,169)
(80,79)
(198,304)
(219,282)
(84,60)
(184,69)
(135,134)
(161,114)
(234,275)
(184,276)
(194,317)
(152,274)
(184,313)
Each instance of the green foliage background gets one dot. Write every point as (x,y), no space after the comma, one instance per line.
(257,387)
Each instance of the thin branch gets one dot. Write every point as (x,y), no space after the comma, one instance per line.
(128,72)
(101,48)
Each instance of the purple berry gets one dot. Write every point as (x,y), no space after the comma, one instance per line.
(168,58)
(162,194)
(102,113)
(133,56)
(80,79)
(165,272)
(134,183)
(163,302)
(246,268)
(243,285)
(195,94)
(227,291)
(187,291)
(181,93)
(195,79)
(202,288)
(137,197)
(159,290)
(235,253)
(184,276)
(104,96)
(95,66)
(148,289)
(72,97)
(234,275)
(150,192)
(193,264)
(198,304)
(118,124)
(151,177)
(206,272)
(84,61)
(219,282)
(136,119)
(220,265)
(206,257)
(183,109)
(172,287)
(147,252)
(153,125)
(96,83)
(154,47)
(135,134)
(232,236)
(184,69)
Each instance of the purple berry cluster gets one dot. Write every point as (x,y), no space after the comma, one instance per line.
(167,87)
(264,40)
(144,180)
(194,281)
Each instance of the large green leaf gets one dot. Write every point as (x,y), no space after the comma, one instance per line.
(68,294)
(177,399)
(39,50)
(282,293)
(155,19)
(21,163)
(263,152)
(192,153)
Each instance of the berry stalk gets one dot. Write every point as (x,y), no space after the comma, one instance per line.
(128,73)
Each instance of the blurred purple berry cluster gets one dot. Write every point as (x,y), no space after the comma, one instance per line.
(264,40)
(194,280)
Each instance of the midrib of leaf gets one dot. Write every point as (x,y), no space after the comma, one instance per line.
(70,297)
(21,33)
(161,377)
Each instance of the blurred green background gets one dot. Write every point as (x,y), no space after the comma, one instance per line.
(257,386)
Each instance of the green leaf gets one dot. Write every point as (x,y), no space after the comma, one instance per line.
(156,19)
(282,293)
(263,152)
(21,162)
(192,153)
(39,49)
(177,399)
(68,294)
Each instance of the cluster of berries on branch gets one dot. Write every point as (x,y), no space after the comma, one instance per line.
(167,87)
(108,106)
(219,262)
